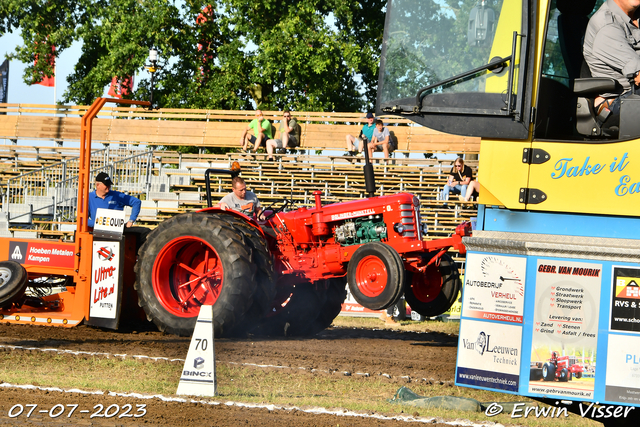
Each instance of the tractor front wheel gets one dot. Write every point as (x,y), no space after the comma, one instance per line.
(192,260)
(376,275)
(434,291)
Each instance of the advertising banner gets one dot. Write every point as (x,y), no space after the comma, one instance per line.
(39,253)
(106,271)
(109,224)
(4,82)
(565,328)
(494,287)
(623,369)
(489,355)
(625,301)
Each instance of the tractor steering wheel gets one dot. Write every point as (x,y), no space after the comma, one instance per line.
(275,210)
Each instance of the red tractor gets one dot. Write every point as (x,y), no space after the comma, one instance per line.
(561,368)
(285,275)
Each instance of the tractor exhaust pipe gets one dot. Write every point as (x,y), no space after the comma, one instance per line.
(369,176)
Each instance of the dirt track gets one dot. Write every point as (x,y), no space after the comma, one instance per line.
(401,356)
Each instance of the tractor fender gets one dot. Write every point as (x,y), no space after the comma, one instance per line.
(236,214)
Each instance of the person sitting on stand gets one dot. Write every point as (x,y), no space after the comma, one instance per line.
(459,178)
(355,145)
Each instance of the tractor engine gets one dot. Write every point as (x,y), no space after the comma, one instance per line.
(320,242)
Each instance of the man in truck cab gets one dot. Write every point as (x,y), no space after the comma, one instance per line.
(612,49)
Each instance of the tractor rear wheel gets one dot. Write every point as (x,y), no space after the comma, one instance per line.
(13,282)
(376,275)
(435,291)
(192,260)
(548,371)
(294,309)
(336,292)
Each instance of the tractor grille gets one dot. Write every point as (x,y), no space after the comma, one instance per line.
(407,214)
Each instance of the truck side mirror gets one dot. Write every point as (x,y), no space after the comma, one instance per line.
(481,25)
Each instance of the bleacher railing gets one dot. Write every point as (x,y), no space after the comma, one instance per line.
(52,190)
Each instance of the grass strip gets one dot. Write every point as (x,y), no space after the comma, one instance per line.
(252,385)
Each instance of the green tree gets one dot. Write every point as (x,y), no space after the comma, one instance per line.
(304,54)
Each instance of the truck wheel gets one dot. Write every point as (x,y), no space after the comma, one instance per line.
(192,260)
(548,371)
(578,375)
(564,375)
(435,291)
(336,293)
(376,275)
(294,310)
(13,282)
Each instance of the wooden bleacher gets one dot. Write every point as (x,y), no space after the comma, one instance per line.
(210,128)
(293,176)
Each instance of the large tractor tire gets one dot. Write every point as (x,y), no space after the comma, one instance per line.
(336,292)
(548,371)
(376,275)
(265,277)
(435,291)
(294,309)
(199,259)
(13,282)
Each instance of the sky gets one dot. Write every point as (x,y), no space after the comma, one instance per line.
(19,91)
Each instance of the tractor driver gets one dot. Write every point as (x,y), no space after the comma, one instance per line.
(241,199)
(105,198)
(611,50)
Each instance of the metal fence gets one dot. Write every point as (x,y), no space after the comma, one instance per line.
(53,190)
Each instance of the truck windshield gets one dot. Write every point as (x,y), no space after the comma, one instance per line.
(430,41)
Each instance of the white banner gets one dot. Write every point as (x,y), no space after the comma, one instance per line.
(105,273)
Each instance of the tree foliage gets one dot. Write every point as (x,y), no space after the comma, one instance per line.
(298,54)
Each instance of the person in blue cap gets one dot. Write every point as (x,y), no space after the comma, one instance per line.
(106,198)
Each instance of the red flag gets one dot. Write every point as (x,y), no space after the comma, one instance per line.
(120,88)
(48,81)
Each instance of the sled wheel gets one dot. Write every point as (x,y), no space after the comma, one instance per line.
(435,291)
(376,275)
(13,282)
(336,292)
(294,309)
(191,260)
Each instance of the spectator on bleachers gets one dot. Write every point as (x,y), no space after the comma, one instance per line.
(241,200)
(472,189)
(458,180)
(380,141)
(261,128)
(355,145)
(288,135)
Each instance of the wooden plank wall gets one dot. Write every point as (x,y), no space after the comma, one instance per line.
(210,128)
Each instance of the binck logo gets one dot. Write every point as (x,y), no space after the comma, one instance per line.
(16,253)
(198,363)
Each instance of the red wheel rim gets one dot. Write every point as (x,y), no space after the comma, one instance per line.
(426,287)
(186,275)
(371,276)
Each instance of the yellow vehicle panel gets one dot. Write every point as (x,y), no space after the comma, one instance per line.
(502,173)
(588,178)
